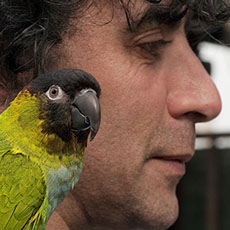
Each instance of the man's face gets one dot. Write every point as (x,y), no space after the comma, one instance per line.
(154,89)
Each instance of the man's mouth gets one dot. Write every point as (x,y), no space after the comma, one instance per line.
(179,158)
(175,164)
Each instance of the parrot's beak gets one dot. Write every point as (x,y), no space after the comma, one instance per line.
(86,112)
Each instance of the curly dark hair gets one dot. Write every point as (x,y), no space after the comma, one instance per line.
(30,28)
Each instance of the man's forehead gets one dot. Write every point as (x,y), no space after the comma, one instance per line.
(106,11)
(128,15)
(146,13)
(139,6)
(136,8)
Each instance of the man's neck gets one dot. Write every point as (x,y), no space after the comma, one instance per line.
(67,216)
(56,222)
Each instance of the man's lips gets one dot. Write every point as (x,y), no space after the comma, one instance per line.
(184,158)
(175,164)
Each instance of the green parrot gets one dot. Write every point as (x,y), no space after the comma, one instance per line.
(43,135)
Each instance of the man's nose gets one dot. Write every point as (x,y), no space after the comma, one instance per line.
(192,93)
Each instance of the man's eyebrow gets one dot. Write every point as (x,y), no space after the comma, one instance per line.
(156,15)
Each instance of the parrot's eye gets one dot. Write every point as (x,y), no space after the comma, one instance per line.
(54,92)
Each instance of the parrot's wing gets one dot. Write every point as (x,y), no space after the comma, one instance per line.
(22,189)
(4,146)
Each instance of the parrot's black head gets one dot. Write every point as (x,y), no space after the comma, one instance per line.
(69,103)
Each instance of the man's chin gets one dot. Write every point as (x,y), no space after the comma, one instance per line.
(158,216)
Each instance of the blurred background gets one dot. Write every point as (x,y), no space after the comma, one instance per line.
(204,192)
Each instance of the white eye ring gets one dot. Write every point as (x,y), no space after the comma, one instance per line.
(54,92)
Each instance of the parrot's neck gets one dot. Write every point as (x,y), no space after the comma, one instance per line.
(24,127)
(59,183)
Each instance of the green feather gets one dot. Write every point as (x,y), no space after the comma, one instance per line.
(22,190)
(25,162)
(41,150)
(41,157)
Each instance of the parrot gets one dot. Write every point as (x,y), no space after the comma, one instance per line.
(43,137)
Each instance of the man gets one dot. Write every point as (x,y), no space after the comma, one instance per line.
(154,91)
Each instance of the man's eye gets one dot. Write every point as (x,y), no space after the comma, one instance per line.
(154,48)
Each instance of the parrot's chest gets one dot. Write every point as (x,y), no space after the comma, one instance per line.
(59,183)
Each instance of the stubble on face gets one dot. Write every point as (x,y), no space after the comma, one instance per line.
(120,187)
